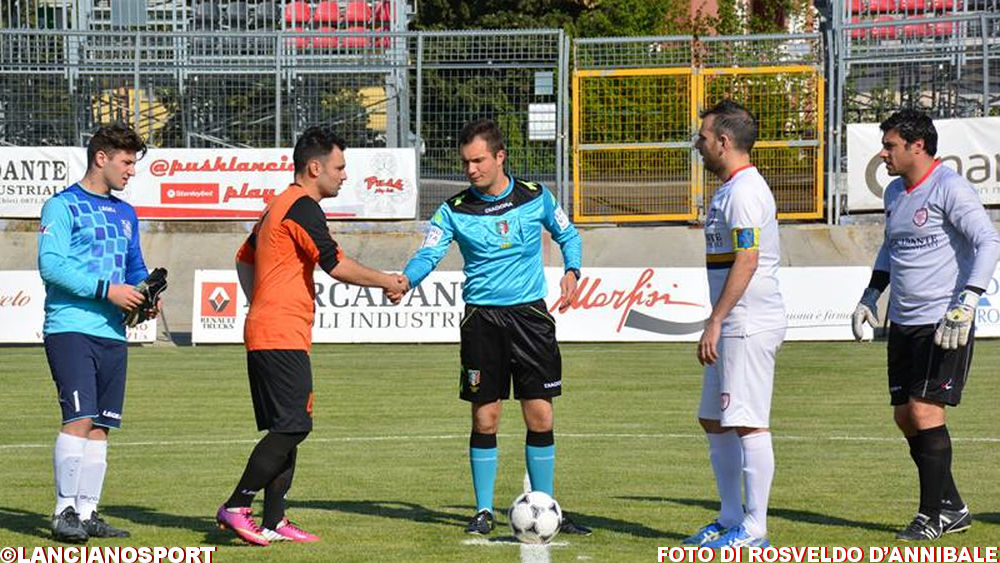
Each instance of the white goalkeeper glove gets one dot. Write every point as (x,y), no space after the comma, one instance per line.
(865,312)
(953,330)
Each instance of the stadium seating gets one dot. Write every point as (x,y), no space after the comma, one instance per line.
(359,12)
(297,13)
(327,13)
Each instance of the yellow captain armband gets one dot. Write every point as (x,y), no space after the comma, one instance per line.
(746,239)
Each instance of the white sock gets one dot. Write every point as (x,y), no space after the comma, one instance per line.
(66,457)
(758,470)
(726,454)
(92,469)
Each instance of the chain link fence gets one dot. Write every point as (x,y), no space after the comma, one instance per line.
(933,56)
(249,81)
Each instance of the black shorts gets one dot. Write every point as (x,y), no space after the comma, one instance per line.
(504,343)
(921,369)
(282,390)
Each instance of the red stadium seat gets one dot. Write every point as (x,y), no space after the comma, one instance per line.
(946,5)
(355,42)
(384,12)
(929,29)
(300,42)
(883,6)
(857,33)
(329,41)
(915,6)
(327,12)
(297,12)
(358,12)
(886,32)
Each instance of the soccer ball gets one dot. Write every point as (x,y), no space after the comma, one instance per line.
(535,517)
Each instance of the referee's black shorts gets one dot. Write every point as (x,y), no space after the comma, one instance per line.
(500,344)
(921,369)
(282,389)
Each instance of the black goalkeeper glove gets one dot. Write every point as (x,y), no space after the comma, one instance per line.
(150,288)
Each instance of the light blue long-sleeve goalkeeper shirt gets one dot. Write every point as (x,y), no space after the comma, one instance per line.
(500,238)
(86,243)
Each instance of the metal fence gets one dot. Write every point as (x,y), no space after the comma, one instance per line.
(933,55)
(635,110)
(262,88)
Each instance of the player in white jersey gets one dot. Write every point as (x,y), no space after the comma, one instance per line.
(938,256)
(744,331)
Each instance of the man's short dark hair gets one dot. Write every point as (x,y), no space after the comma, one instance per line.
(734,121)
(112,138)
(315,142)
(911,125)
(487,130)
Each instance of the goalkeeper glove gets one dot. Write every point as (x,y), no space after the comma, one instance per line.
(953,330)
(866,311)
(150,288)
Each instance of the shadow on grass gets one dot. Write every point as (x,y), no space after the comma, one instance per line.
(602,523)
(785,513)
(22,522)
(150,517)
(991,517)
(384,508)
(417,513)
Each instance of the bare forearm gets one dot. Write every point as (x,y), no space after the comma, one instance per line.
(350,271)
(736,284)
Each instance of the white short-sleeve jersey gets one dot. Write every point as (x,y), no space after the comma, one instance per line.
(742,216)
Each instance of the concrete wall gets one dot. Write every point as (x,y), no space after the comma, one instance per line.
(183,247)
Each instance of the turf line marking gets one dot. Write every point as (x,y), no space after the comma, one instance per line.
(400,438)
(536,553)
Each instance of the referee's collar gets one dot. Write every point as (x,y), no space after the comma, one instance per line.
(487,197)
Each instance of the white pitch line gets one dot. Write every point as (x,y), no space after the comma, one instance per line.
(507,542)
(398,438)
(535,553)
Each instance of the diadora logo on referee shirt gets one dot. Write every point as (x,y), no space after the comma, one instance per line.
(218,299)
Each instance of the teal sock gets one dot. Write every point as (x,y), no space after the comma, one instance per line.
(483,458)
(540,458)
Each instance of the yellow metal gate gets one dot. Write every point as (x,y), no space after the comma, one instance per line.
(633,130)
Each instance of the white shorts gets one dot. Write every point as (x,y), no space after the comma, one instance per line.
(736,391)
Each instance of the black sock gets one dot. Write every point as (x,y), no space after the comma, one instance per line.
(950,499)
(275,491)
(933,466)
(266,461)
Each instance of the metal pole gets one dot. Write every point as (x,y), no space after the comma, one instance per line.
(831,84)
(840,39)
(419,135)
(560,122)
(136,84)
(277,90)
(566,101)
(984,36)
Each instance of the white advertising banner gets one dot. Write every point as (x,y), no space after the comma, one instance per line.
(213,183)
(967,145)
(31,175)
(613,305)
(22,310)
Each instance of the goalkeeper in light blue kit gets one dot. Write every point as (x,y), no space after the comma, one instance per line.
(90,260)
(507,332)
(938,256)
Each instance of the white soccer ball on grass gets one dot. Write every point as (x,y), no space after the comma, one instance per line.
(535,517)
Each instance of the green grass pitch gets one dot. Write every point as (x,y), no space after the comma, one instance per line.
(384,475)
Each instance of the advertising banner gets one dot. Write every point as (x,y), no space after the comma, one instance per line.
(213,183)
(31,175)
(612,305)
(970,146)
(22,310)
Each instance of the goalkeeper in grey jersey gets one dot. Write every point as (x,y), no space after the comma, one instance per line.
(938,256)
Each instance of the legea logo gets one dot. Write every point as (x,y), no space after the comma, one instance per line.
(218,299)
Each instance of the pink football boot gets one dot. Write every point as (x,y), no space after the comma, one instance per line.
(241,523)
(286,531)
